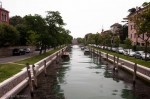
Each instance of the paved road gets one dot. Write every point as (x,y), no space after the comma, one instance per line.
(16,58)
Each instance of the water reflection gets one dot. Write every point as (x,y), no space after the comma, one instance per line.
(88,77)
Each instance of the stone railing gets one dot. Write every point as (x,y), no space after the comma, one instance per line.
(13,85)
(141,71)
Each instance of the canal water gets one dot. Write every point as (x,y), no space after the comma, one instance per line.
(85,77)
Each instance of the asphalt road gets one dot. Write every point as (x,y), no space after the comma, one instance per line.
(16,58)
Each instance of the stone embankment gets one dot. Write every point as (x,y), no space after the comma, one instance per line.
(136,69)
(18,82)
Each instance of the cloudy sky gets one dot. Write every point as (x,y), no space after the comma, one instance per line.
(81,16)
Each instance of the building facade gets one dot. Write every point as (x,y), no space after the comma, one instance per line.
(132,32)
(4,15)
(115,28)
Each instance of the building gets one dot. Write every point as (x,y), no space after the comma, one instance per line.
(4,15)
(74,42)
(105,32)
(115,28)
(132,32)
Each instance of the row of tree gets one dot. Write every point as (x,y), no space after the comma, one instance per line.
(107,39)
(35,30)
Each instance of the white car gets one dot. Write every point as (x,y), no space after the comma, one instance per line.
(120,50)
(129,52)
(114,49)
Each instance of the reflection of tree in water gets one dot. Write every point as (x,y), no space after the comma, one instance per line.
(59,94)
(127,94)
(61,74)
(107,73)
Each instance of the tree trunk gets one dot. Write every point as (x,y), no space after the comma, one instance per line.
(41,49)
(146,43)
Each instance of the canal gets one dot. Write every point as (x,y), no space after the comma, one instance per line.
(85,77)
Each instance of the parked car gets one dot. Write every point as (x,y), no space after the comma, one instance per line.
(18,51)
(120,50)
(138,54)
(109,48)
(82,48)
(129,52)
(86,51)
(141,55)
(27,50)
(114,49)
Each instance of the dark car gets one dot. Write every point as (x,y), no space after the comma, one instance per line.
(18,51)
(139,54)
(27,50)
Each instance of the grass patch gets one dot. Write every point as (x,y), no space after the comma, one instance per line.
(132,59)
(9,69)
(36,58)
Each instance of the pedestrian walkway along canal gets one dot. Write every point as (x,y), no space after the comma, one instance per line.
(85,77)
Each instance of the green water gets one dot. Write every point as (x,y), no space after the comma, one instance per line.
(84,77)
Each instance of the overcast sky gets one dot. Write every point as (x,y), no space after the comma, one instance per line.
(81,16)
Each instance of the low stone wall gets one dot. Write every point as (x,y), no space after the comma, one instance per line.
(142,71)
(7,51)
(16,83)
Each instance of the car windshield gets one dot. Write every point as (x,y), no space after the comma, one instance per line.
(141,52)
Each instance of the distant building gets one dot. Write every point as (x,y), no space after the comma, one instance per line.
(115,28)
(4,15)
(74,41)
(105,32)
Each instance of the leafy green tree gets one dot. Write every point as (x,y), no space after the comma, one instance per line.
(145,4)
(32,38)
(132,10)
(8,35)
(21,28)
(116,41)
(128,43)
(106,39)
(38,25)
(97,38)
(54,21)
(15,20)
(124,33)
(80,40)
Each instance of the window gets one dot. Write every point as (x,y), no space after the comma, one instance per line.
(4,16)
(131,36)
(134,35)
